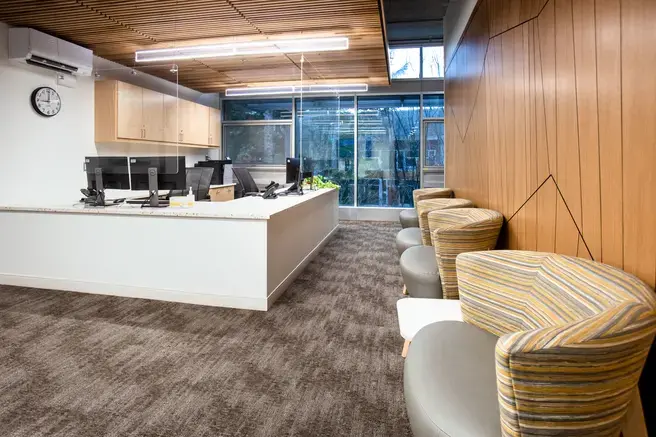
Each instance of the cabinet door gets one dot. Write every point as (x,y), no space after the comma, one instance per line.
(172,121)
(130,117)
(194,122)
(215,127)
(153,115)
(201,125)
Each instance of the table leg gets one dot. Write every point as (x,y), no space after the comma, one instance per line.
(406,345)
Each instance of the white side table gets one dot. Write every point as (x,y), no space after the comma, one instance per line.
(415,313)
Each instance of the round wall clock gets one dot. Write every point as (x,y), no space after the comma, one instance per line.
(46,101)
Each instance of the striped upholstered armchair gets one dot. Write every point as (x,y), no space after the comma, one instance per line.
(458,231)
(549,345)
(429,270)
(409,217)
(410,237)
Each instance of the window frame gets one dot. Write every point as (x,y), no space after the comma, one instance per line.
(421,61)
(279,122)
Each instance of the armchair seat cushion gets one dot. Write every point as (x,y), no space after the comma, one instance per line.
(450,382)
(409,218)
(407,238)
(420,273)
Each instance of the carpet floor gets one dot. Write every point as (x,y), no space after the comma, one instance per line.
(324,361)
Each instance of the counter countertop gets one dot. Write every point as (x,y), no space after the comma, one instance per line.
(255,208)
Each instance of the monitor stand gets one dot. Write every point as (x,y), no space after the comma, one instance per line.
(297,187)
(153,195)
(100,197)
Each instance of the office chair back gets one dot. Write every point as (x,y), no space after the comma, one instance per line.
(203,191)
(245,180)
(199,179)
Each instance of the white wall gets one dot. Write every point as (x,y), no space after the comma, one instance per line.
(41,158)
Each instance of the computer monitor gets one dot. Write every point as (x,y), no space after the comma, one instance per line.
(113,172)
(218,166)
(293,169)
(153,173)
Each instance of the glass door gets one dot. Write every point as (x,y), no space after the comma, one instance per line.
(433,153)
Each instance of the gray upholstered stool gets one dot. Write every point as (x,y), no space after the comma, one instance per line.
(408,238)
(421,275)
(409,218)
(450,383)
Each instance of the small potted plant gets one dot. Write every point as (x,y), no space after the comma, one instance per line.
(319,182)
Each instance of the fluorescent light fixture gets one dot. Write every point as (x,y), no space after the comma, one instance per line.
(310,89)
(243,49)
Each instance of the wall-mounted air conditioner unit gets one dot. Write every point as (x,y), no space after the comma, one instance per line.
(37,48)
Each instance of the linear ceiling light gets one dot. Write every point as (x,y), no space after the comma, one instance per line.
(310,89)
(243,49)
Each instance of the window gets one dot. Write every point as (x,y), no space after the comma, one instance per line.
(274,109)
(388,150)
(432,61)
(257,144)
(434,144)
(325,135)
(433,105)
(425,62)
(257,132)
(405,63)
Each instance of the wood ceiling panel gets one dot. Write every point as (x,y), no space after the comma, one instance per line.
(115,29)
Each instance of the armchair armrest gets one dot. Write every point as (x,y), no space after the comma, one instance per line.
(584,371)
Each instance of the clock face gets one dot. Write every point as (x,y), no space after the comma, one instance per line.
(46,101)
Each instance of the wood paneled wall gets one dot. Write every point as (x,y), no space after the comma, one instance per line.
(551,120)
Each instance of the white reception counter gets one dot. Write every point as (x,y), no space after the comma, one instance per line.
(242,254)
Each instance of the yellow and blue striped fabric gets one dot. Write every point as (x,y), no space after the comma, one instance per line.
(430,193)
(455,231)
(426,206)
(575,335)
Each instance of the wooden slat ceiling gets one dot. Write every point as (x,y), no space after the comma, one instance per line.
(115,29)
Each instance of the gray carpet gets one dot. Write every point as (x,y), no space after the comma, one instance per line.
(324,361)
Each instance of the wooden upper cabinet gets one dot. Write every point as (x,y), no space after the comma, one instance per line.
(125,113)
(171,119)
(153,115)
(200,125)
(215,127)
(130,114)
(194,123)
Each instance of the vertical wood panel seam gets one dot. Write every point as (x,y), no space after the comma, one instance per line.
(578,127)
(601,201)
(556,115)
(622,124)
(544,103)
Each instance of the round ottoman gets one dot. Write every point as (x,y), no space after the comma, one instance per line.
(421,275)
(409,218)
(408,238)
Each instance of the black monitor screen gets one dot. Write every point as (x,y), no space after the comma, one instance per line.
(218,166)
(171,172)
(293,168)
(115,172)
